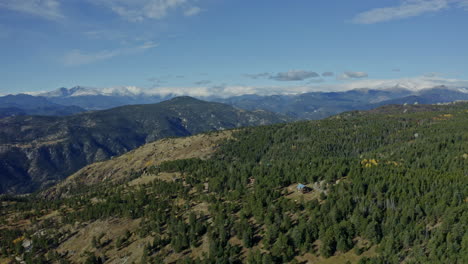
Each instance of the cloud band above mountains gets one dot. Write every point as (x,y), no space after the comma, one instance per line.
(413,84)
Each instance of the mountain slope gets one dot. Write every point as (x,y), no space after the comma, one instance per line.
(126,166)
(383,186)
(36,151)
(23,104)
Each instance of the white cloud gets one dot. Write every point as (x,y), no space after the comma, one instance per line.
(202,82)
(146,45)
(462,4)
(78,57)
(257,75)
(407,8)
(139,10)
(294,75)
(123,91)
(327,74)
(192,11)
(413,84)
(106,34)
(353,75)
(321,80)
(48,9)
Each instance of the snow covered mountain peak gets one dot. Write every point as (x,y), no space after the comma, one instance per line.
(89,91)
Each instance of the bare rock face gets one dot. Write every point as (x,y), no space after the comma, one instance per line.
(38,151)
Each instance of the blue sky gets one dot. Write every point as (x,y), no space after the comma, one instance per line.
(232,46)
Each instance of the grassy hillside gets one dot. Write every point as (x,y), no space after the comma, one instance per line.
(385,186)
(126,167)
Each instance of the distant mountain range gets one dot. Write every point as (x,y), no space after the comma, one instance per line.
(23,104)
(99,99)
(313,105)
(318,105)
(37,151)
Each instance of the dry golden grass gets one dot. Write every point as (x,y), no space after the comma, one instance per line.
(81,241)
(6,260)
(199,146)
(148,178)
(201,208)
(340,258)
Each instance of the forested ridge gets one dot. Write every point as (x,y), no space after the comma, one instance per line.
(385,186)
(38,151)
